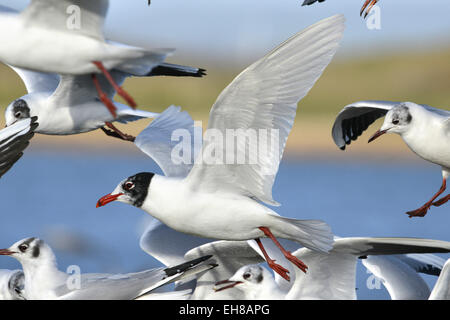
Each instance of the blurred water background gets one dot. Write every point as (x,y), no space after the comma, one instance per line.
(52,191)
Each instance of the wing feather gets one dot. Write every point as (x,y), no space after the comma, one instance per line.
(263,97)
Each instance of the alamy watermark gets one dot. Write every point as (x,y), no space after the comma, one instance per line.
(73,21)
(373,21)
(228,147)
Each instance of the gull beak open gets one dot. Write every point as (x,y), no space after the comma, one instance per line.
(376,135)
(103,201)
(6,252)
(227,285)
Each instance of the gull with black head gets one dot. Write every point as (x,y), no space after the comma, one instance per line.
(225,201)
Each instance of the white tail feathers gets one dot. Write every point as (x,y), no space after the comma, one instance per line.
(313,234)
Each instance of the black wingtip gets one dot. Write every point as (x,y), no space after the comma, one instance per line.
(185,266)
(342,148)
(201,72)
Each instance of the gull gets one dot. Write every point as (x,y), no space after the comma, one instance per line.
(13,141)
(424,129)
(66,37)
(367,6)
(43,280)
(67,104)
(11,285)
(171,247)
(333,275)
(225,201)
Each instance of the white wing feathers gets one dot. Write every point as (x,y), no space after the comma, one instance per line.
(265,96)
(37,81)
(159,142)
(86,16)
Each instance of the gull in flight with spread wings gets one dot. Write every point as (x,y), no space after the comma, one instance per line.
(224,201)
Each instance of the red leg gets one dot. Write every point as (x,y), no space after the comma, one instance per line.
(296,261)
(119,90)
(422,211)
(441,201)
(103,97)
(276,267)
(369,4)
(117,133)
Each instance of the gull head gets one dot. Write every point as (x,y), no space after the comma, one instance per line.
(132,190)
(251,278)
(29,251)
(397,120)
(17,110)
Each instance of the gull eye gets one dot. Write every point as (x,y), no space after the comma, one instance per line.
(128,185)
(18,114)
(246,276)
(23,247)
(395,121)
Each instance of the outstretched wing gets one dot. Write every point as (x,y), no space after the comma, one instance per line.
(13,140)
(262,103)
(355,118)
(84,17)
(37,81)
(161,141)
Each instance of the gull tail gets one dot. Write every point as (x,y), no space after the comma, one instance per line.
(313,234)
(176,70)
(126,114)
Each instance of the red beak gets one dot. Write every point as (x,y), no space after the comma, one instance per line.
(376,135)
(231,284)
(6,252)
(107,199)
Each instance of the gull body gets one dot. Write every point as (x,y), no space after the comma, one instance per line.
(225,201)
(424,129)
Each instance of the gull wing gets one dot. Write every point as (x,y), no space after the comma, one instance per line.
(161,139)
(333,275)
(229,257)
(37,81)
(264,97)
(13,141)
(441,290)
(126,286)
(355,118)
(85,17)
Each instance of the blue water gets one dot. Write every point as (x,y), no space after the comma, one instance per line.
(52,195)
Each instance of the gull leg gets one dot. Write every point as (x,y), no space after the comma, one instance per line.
(116,87)
(422,211)
(441,201)
(276,267)
(117,133)
(368,4)
(103,97)
(296,261)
